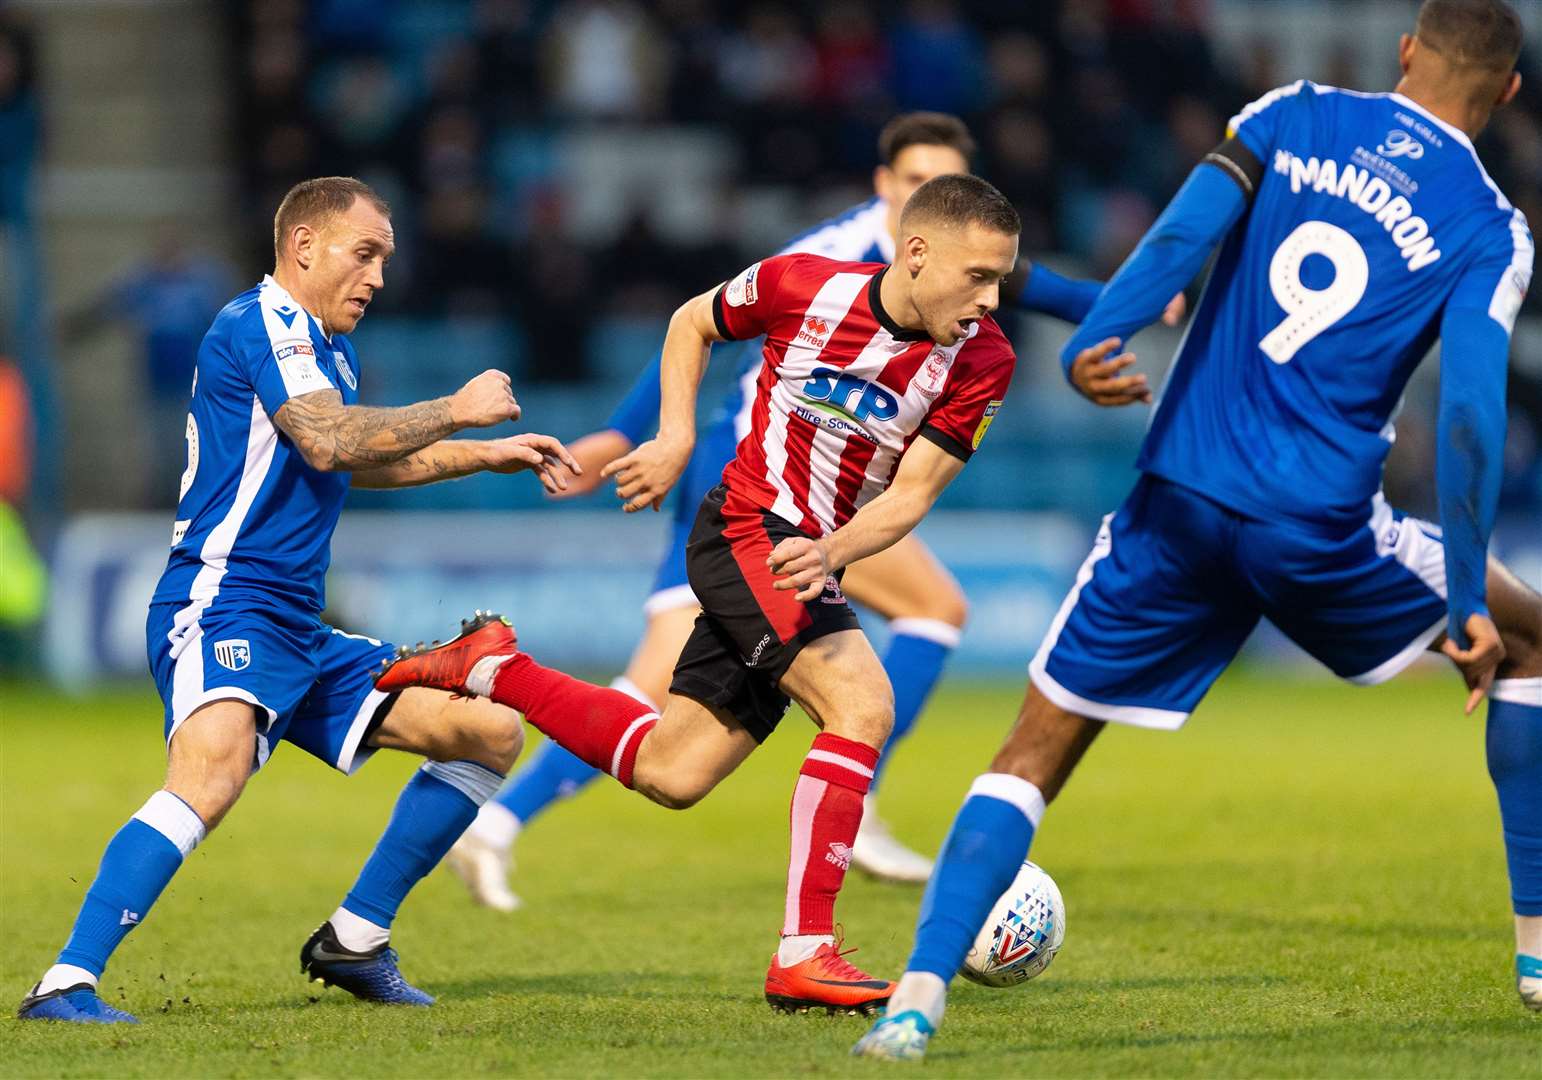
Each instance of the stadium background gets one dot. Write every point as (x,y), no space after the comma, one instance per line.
(564,173)
(1307,881)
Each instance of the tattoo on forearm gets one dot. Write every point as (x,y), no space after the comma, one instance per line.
(332,435)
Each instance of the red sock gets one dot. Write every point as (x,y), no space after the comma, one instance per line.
(826,810)
(604,727)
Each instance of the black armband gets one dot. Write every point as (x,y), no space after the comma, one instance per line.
(1238,162)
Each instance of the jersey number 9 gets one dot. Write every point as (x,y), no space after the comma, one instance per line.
(1309,311)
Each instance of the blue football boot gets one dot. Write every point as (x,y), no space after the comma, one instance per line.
(76,1004)
(901,1037)
(372,975)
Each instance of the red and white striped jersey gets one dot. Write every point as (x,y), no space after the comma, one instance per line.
(843,389)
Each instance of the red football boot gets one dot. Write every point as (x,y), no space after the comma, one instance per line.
(447,666)
(825,981)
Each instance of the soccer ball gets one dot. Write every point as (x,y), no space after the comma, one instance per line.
(1022,933)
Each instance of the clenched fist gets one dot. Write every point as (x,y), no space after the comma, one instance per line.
(486,400)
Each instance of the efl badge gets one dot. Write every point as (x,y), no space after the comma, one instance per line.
(233,653)
(344,370)
(741,290)
(991,410)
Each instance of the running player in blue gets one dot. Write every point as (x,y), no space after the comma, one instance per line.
(1355,229)
(235,640)
(905,584)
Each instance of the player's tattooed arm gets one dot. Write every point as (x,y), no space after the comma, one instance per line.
(334,437)
(453,458)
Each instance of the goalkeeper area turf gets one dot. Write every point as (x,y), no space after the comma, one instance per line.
(1306,881)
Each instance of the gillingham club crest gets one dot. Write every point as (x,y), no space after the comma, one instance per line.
(233,653)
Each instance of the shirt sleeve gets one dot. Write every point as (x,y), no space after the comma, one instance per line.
(961,416)
(1258,124)
(1475,334)
(745,306)
(279,359)
(1167,258)
(635,416)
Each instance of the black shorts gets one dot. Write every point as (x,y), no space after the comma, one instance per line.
(748,633)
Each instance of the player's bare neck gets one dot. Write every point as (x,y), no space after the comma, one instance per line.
(1454,108)
(291,282)
(895,306)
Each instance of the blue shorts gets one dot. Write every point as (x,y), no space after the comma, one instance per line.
(312,684)
(1176,582)
(702,473)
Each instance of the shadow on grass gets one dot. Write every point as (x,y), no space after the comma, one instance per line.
(614,987)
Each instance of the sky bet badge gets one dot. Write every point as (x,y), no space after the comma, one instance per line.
(991,410)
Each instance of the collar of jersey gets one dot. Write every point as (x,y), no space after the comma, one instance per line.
(1455,132)
(896,331)
(267,279)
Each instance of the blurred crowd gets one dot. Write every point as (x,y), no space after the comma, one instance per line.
(490,123)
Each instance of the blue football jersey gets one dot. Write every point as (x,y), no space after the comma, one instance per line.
(254,520)
(1372,218)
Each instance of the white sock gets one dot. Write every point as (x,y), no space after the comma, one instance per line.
(796,948)
(923,992)
(479,680)
(356,933)
(496,826)
(63,975)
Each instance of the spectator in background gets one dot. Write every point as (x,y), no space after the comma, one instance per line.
(168,302)
(19,127)
(936,59)
(606,60)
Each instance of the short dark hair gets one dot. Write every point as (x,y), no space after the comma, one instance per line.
(961,200)
(924,129)
(313,202)
(1482,34)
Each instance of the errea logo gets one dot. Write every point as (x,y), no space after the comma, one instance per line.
(814,331)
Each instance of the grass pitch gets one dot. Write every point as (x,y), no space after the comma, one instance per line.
(1308,881)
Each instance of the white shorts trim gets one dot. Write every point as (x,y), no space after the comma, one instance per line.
(1411,652)
(1135,715)
(353,755)
(676,596)
(1410,542)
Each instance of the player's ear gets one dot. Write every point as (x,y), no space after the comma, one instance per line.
(1512,87)
(916,250)
(302,243)
(1405,50)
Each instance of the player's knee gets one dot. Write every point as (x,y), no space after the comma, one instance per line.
(673,790)
(868,719)
(214,789)
(488,734)
(952,607)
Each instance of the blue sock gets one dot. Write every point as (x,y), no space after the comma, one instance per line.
(435,807)
(984,850)
(1515,764)
(917,653)
(552,773)
(139,862)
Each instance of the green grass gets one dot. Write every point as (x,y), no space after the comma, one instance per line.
(1308,881)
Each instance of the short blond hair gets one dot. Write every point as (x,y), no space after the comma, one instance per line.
(315,202)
